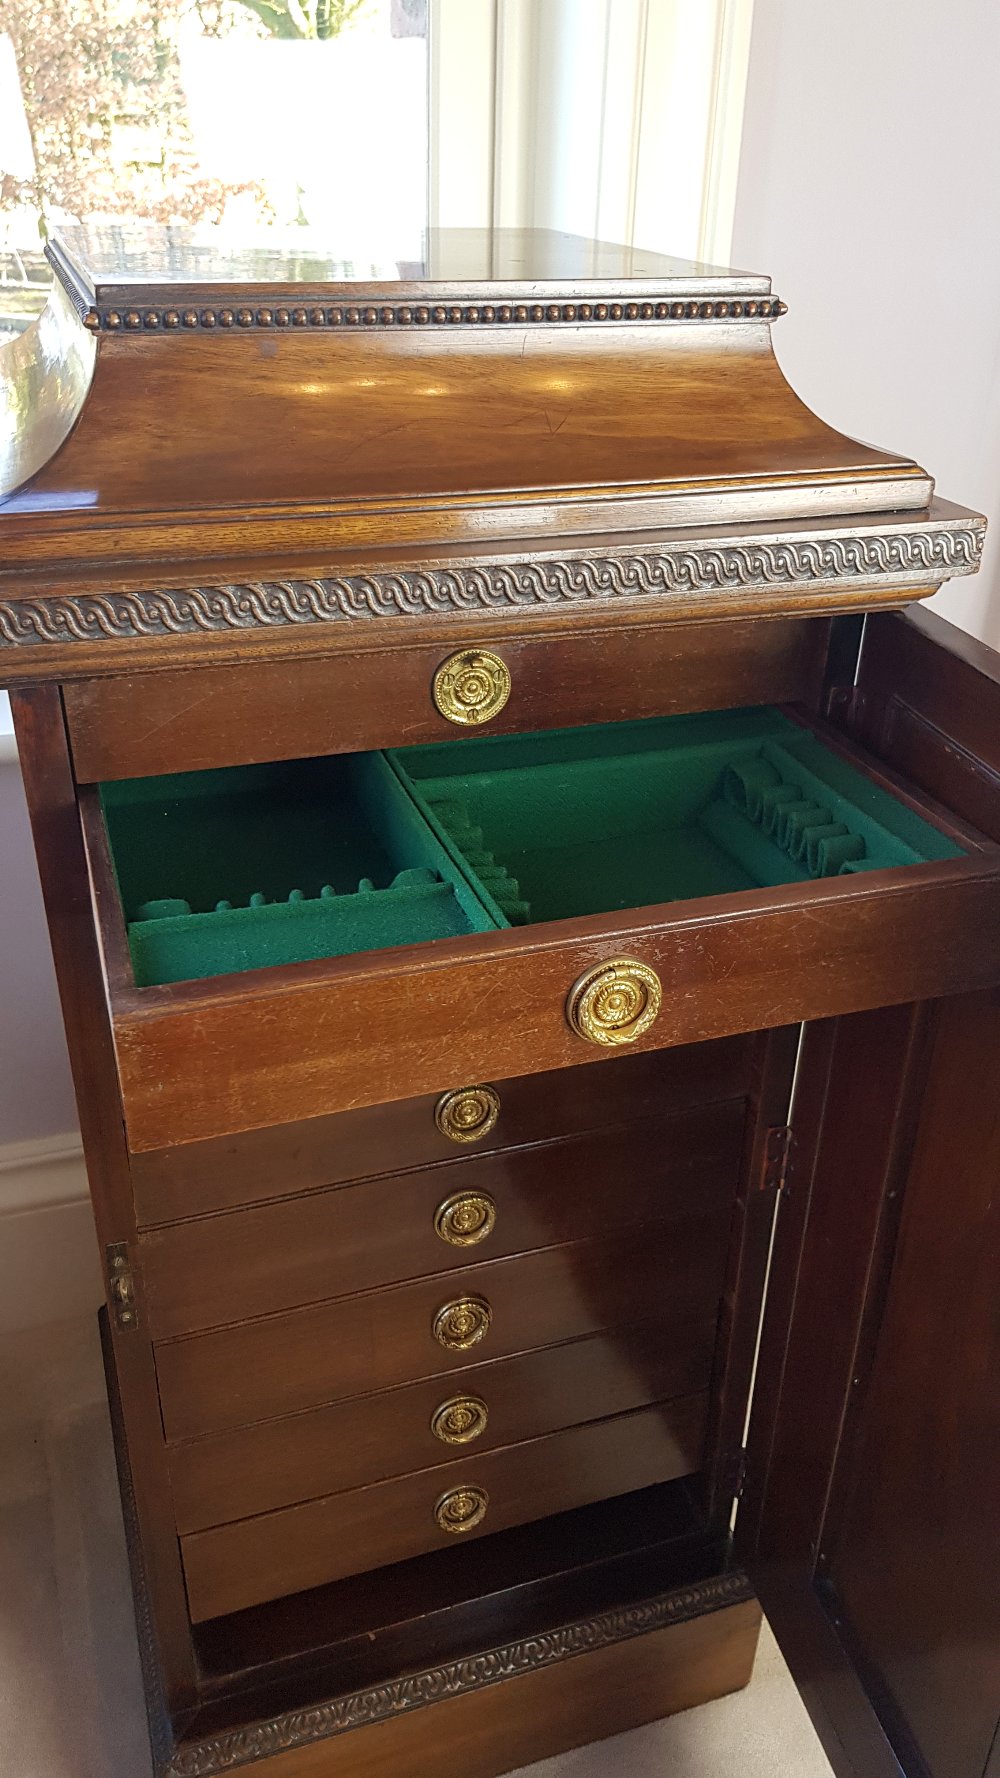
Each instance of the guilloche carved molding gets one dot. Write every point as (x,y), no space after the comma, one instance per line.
(923,555)
(261,1740)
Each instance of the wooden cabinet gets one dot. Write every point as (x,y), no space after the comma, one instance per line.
(519,884)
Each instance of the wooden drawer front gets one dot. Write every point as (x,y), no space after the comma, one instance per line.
(172,1183)
(203,1059)
(382,698)
(347,1445)
(241,1564)
(238,1375)
(251,1262)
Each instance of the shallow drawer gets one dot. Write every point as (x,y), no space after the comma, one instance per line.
(237,1375)
(257,1261)
(241,1564)
(377,697)
(172,1183)
(532,829)
(347,1445)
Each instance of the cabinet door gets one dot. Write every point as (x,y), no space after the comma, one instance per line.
(871,1515)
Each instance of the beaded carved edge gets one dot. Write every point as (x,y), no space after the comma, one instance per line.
(926,553)
(261,1740)
(319,315)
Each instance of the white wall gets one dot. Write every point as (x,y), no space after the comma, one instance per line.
(36,1094)
(869,188)
(48,1256)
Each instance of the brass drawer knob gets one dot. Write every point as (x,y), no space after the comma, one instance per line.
(465,1218)
(467,1114)
(471,687)
(461,1324)
(461,1508)
(460,1420)
(616,1002)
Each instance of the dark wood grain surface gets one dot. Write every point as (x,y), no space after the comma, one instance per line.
(913,1547)
(350,1444)
(442,1606)
(203,1059)
(537,1713)
(232,1566)
(333,1243)
(928,700)
(45,765)
(431,435)
(194,1178)
(856,1096)
(234,1376)
(183,721)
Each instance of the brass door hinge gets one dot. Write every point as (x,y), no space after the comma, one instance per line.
(777,1158)
(121,1287)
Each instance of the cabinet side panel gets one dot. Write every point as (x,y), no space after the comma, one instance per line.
(928,701)
(914,1560)
(853,1112)
(48,781)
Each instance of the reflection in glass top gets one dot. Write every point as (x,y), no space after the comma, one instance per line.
(133,256)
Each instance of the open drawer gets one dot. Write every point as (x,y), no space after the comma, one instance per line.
(489,905)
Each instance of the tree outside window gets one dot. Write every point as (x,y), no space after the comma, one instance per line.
(247,114)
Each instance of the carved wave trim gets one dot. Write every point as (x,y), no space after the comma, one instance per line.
(254,1741)
(316,314)
(928,554)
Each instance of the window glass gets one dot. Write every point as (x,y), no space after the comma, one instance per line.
(285,115)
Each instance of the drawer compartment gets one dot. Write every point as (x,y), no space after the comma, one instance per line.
(807,886)
(232,1566)
(257,1261)
(587,820)
(234,1475)
(225,1172)
(366,696)
(234,1376)
(243,869)
(251,867)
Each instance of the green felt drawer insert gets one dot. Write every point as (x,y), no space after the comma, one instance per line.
(629,814)
(236,869)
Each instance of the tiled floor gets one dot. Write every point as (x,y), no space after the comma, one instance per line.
(70,1698)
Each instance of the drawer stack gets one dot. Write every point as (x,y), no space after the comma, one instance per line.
(360,1360)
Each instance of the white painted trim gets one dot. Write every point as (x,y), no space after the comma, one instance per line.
(514,114)
(49,1265)
(461,76)
(725,142)
(620,119)
(41,1174)
(8,745)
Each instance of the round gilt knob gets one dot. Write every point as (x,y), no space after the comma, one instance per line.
(615,1003)
(465,1218)
(461,1509)
(460,1325)
(460,1420)
(467,1114)
(471,687)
